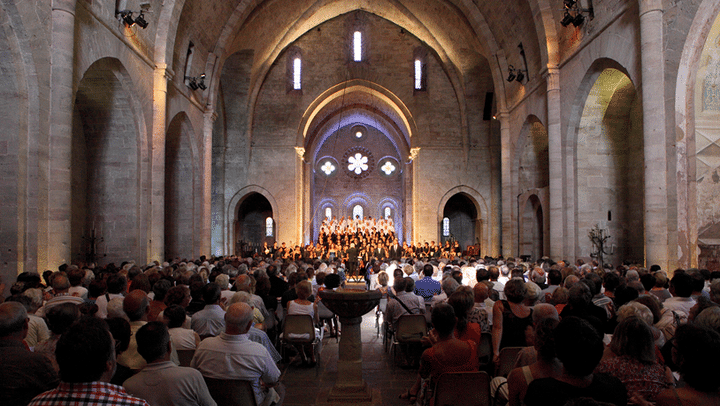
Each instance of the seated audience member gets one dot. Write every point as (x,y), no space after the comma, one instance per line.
(511,318)
(580,305)
(61,287)
(409,304)
(302,305)
(38,331)
(258,319)
(634,361)
(161,382)
(448,287)
(76,276)
(60,318)
(681,287)
(410,288)
(23,374)
(181,338)
(210,321)
(546,365)
(157,304)
(255,333)
(710,318)
(427,287)
(116,287)
(579,347)
(86,356)
(462,300)
(120,330)
(231,355)
(480,313)
(698,355)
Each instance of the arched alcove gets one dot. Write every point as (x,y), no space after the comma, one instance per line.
(610,167)
(462,213)
(106,179)
(251,229)
(532,232)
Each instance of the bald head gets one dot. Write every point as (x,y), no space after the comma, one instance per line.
(242,283)
(544,311)
(238,318)
(481,292)
(13,317)
(60,283)
(135,305)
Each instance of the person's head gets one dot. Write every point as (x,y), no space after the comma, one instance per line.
(160,289)
(578,346)
(544,339)
(399,284)
(13,320)
(709,317)
(480,292)
(428,270)
(633,338)
(542,311)
(238,319)
(653,304)
(698,356)
(175,316)
(580,295)
(178,295)
(554,277)
(153,341)
(116,283)
(75,275)
(332,281)
(135,305)
(515,290)
(443,318)
(60,283)
(211,293)
(61,316)
(303,290)
(223,281)
(462,300)
(121,333)
(409,284)
(86,352)
(681,285)
(560,296)
(383,278)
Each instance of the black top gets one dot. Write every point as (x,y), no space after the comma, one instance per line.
(551,392)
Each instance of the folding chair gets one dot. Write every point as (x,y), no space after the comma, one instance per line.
(231,392)
(411,328)
(462,388)
(185,357)
(508,355)
(299,330)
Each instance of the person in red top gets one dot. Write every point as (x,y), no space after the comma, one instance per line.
(86,356)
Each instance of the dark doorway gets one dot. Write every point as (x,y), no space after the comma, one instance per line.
(252,227)
(462,214)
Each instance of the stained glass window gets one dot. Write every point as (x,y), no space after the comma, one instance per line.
(269,227)
(446,227)
(358,211)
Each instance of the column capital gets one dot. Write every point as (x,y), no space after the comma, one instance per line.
(210,113)
(647,6)
(553,77)
(301,152)
(414,152)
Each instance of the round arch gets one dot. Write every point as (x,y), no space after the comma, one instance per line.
(236,201)
(482,231)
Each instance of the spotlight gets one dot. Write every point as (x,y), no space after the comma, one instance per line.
(140,20)
(569,3)
(567,19)
(192,83)
(511,74)
(578,20)
(127,18)
(201,84)
(520,76)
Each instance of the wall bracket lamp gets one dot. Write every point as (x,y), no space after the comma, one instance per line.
(195,84)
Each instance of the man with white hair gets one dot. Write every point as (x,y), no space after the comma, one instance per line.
(223,281)
(231,355)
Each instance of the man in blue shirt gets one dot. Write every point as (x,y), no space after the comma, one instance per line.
(427,287)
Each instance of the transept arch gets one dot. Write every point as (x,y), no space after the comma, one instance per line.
(480,222)
(233,207)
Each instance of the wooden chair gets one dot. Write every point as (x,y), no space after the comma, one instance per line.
(231,392)
(462,388)
(508,355)
(299,330)
(411,328)
(185,357)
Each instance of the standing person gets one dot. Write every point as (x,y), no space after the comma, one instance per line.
(352,259)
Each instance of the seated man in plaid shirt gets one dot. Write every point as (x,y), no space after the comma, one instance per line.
(86,356)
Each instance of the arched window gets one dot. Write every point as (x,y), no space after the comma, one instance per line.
(297,73)
(418,74)
(388,213)
(446,227)
(328,213)
(357,46)
(269,227)
(420,68)
(358,211)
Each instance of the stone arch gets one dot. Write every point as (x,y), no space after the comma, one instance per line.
(107,172)
(686,99)
(482,232)
(182,191)
(234,205)
(531,225)
(609,164)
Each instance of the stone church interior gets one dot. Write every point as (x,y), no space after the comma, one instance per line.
(152,130)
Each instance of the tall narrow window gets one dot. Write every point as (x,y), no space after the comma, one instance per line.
(328,213)
(269,227)
(358,212)
(297,73)
(418,74)
(357,46)
(189,62)
(388,212)
(446,227)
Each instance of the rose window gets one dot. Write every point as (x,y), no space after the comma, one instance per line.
(357,163)
(388,168)
(328,168)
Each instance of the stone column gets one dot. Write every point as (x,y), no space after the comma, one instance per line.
(507,197)
(555,151)
(62,51)
(209,118)
(161,75)
(350,386)
(654,136)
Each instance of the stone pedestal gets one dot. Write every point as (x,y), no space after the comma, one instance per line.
(350,305)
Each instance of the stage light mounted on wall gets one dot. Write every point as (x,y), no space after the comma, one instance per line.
(574,13)
(195,84)
(516,74)
(126,16)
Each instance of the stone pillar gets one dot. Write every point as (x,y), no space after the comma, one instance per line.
(555,151)
(350,386)
(507,197)
(209,118)
(62,52)
(654,137)
(156,247)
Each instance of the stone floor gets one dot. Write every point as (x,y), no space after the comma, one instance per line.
(310,386)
